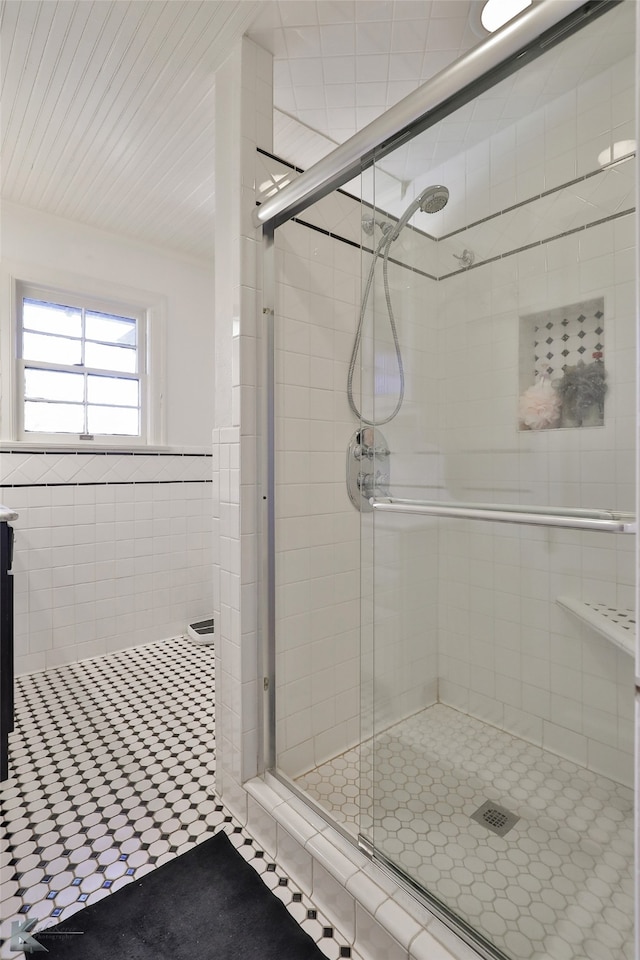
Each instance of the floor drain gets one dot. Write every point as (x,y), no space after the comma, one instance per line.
(495,818)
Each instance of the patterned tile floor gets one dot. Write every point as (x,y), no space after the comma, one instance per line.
(557,886)
(112,774)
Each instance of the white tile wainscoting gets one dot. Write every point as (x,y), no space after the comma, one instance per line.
(112,549)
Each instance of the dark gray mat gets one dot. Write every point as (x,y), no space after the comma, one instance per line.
(207,904)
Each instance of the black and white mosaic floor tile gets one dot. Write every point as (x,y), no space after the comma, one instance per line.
(112,774)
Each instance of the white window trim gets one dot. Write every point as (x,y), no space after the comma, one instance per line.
(13,279)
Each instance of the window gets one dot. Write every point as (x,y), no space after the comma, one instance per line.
(81,367)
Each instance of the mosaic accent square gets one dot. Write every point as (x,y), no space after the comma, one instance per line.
(562,367)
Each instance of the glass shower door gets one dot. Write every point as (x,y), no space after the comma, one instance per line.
(503,580)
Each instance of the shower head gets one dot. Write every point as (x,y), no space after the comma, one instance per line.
(431,200)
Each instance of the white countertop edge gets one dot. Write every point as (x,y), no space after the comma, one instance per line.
(6,514)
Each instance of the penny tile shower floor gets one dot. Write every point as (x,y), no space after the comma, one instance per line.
(112,774)
(557,886)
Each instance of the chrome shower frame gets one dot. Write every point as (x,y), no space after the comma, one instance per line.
(521,40)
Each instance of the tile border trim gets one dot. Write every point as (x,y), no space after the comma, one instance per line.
(100,483)
(475,223)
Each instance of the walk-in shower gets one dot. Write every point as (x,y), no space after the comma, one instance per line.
(454,663)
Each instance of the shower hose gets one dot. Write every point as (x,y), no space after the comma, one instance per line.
(382,248)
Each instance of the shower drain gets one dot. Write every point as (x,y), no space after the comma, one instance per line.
(495,818)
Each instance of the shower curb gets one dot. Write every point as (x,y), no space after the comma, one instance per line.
(371,910)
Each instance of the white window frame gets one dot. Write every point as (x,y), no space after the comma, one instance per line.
(148,309)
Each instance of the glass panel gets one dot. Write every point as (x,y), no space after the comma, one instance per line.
(113,390)
(110,329)
(53,417)
(53,385)
(99,356)
(317,530)
(113,420)
(51,318)
(36,346)
(502,753)
(479,345)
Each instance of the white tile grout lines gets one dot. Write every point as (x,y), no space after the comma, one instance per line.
(112,774)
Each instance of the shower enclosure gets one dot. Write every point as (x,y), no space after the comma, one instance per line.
(454,422)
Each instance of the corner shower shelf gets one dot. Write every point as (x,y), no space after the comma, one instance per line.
(618,626)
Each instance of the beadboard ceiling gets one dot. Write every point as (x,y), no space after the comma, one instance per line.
(107,112)
(107,107)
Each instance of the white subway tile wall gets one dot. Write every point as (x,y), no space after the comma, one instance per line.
(550,146)
(317,530)
(111,550)
(323,571)
(505,644)
(508,653)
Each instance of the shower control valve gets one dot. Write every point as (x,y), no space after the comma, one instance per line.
(381,485)
(364,481)
(360,451)
(369,483)
(369,446)
(367,450)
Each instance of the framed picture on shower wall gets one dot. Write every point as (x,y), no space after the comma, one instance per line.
(562,367)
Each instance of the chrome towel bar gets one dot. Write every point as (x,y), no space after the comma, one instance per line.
(606,521)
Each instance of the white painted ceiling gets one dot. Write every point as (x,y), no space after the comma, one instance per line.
(107,112)
(107,107)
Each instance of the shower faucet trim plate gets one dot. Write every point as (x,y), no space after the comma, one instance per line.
(368,469)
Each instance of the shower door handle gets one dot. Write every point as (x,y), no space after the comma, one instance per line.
(605,521)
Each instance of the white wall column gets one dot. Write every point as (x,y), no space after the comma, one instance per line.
(244,108)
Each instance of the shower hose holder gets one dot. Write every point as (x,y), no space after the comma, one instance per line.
(367,467)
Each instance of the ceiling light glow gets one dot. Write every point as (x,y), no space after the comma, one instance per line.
(496,13)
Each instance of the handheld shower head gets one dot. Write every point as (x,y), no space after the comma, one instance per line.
(431,200)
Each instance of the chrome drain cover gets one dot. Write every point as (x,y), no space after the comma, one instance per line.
(495,818)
